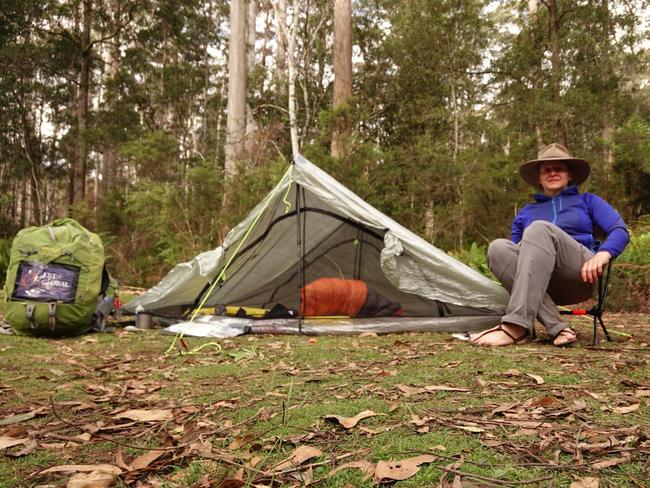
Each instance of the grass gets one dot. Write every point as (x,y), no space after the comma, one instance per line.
(278,389)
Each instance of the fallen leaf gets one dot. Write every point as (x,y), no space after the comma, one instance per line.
(409,390)
(154,415)
(13,419)
(265,413)
(444,388)
(608,463)
(349,422)
(587,482)
(595,396)
(53,445)
(401,470)
(6,442)
(547,401)
(512,372)
(642,393)
(366,467)
(83,468)
(27,448)
(240,441)
(299,456)
(492,443)
(368,334)
(85,406)
(627,409)
(85,437)
(231,483)
(504,408)
(450,364)
(94,479)
(469,428)
(578,405)
(417,421)
(525,432)
(119,461)
(142,462)
(538,379)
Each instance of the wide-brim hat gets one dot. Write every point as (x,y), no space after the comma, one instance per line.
(579,168)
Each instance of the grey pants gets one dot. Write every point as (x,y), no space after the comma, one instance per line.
(540,272)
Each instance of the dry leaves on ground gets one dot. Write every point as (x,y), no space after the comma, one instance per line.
(349,422)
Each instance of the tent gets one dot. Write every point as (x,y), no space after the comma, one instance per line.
(308,227)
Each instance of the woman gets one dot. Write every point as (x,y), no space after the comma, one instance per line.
(552,258)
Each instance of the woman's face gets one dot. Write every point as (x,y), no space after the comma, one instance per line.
(554,177)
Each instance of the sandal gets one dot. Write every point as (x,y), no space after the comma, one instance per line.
(565,337)
(499,328)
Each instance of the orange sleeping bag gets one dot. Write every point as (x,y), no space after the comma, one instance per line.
(351,298)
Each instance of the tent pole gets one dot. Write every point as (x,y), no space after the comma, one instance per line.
(301,257)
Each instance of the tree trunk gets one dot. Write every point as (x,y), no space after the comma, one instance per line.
(289,35)
(342,73)
(533,13)
(110,152)
(236,121)
(281,50)
(251,37)
(608,95)
(556,68)
(78,176)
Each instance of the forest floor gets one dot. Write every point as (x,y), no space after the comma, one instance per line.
(423,409)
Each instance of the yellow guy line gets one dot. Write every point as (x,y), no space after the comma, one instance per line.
(288,173)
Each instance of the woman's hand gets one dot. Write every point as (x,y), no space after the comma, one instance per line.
(593,268)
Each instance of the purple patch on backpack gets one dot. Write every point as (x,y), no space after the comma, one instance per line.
(46,282)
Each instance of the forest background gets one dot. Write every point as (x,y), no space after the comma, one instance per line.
(160,123)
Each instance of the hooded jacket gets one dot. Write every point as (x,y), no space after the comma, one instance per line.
(579,215)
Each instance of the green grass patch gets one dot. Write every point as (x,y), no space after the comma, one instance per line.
(522,409)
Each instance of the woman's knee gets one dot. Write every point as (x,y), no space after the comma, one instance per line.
(538,228)
(498,251)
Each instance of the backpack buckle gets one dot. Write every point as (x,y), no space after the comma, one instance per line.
(51,311)
(29,312)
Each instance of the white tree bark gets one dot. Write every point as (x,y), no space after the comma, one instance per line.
(289,35)
(251,37)
(236,121)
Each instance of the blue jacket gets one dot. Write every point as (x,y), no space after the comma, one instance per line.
(577,214)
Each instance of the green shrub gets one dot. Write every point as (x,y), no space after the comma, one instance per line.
(476,258)
(5,249)
(630,290)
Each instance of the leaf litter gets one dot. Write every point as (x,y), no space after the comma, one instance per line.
(152,415)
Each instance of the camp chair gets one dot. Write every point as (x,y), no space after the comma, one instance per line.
(597,310)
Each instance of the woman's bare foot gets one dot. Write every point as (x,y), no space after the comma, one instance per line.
(501,335)
(565,337)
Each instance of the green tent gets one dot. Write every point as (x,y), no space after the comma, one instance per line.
(308,227)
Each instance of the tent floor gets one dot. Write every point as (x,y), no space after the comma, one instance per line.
(384,325)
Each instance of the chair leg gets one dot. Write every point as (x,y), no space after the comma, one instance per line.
(598,319)
(598,310)
(602,324)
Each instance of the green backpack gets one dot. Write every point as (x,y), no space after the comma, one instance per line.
(57,281)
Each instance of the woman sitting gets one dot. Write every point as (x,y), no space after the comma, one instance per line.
(552,258)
